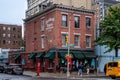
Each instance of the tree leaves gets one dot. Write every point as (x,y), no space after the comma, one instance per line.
(110,30)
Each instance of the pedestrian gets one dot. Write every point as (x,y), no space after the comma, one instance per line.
(80,68)
(88,69)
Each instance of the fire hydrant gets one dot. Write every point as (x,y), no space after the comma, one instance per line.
(38,69)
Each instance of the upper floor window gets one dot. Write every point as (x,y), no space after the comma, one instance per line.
(9,35)
(64,20)
(14,36)
(88,41)
(8,28)
(64,40)
(76,22)
(4,35)
(4,42)
(88,22)
(4,28)
(8,41)
(14,29)
(13,42)
(76,40)
(42,43)
(42,24)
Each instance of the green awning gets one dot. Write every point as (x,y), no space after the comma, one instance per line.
(89,54)
(78,55)
(50,55)
(63,54)
(39,55)
(32,56)
(17,57)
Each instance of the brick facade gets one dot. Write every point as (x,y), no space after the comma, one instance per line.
(10,36)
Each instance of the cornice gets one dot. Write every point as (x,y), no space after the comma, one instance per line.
(60,7)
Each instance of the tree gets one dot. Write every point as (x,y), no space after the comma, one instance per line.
(110,30)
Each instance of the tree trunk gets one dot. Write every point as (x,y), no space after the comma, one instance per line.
(116,52)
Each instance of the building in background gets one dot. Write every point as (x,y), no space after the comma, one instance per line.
(101,7)
(10,39)
(35,6)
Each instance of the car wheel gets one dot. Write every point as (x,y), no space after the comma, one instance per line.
(2,71)
(21,73)
(113,77)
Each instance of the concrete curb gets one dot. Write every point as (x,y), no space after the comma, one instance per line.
(61,75)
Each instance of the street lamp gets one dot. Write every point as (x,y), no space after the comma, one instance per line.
(68,54)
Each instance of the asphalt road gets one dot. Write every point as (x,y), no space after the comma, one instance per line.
(4,76)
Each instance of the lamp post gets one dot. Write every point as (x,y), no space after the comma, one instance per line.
(68,72)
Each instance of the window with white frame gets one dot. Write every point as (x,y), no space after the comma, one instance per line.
(8,28)
(4,28)
(14,36)
(9,35)
(77,40)
(64,20)
(4,35)
(42,24)
(88,22)
(42,43)
(8,41)
(76,22)
(88,41)
(64,40)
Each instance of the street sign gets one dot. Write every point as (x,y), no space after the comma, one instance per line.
(71,44)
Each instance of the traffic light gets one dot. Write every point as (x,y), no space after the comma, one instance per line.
(66,38)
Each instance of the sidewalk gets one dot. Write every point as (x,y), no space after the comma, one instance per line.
(61,75)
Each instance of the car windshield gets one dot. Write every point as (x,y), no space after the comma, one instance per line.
(113,64)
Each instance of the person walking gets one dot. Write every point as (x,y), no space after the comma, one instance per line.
(88,69)
(80,69)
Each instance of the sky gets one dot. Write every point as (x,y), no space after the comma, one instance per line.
(12,11)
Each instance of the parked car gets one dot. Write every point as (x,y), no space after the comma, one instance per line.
(2,67)
(14,69)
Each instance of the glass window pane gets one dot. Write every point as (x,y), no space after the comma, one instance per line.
(76,21)
(76,40)
(42,24)
(64,20)
(88,41)
(88,22)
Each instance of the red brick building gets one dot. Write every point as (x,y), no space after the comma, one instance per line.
(10,36)
(46,33)
(10,39)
